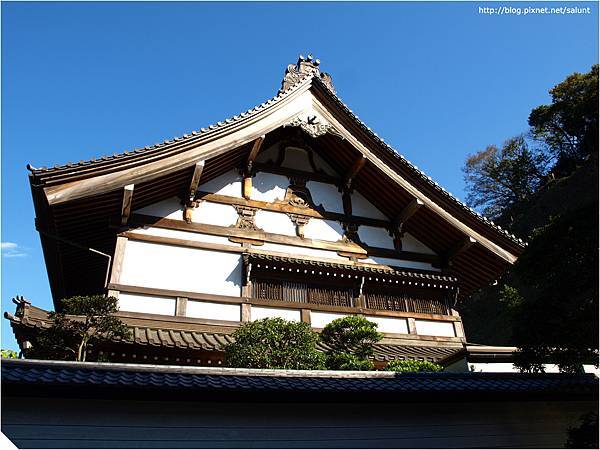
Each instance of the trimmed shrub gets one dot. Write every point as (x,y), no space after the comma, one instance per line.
(274,344)
(350,343)
(409,365)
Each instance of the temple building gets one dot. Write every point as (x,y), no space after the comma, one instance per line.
(293,209)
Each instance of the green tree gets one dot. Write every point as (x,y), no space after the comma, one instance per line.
(274,344)
(498,178)
(409,365)
(569,125)
(10,354)
(557,318)
(349,342)
(83,321)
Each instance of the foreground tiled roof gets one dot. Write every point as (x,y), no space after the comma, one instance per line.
(29,373)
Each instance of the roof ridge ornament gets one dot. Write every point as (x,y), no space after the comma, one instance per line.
(308,66)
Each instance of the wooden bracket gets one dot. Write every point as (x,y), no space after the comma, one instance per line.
(461,246)
(126,206)
(353,172)
(409,211)
(198,168)
(247,185)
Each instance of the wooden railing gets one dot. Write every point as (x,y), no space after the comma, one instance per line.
(407,303)
(297,292)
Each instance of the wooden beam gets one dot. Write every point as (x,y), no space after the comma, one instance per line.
(247,184)
(254,152)
(461,246)
(198,168)
(409,211)
(126,205)
(353,172)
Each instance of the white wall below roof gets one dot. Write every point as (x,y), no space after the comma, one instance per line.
(301,251)
(376,237)
(268,187)
(181,268)
(273,222)
(412,244)
(509,367)
(325,230)
(213,311)
(389,325)
(400,263)
(261,312)
(170,208)
(229,184)
(215,214)
(186,235)
(433,328)
(149,304)
(326,195)
(362,207)
(320,319)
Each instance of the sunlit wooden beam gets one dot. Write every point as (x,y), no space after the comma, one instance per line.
(126,205)
(409,211)
(198,168)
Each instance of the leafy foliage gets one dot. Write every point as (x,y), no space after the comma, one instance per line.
(547,304)
(347,361)
(557,317)
(499,178)
(569,125)
(586,434)
(350,340)
(10,354)
(274,344)
(69,336)
(409,365)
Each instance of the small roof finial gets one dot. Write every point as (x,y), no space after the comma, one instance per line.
(305,67)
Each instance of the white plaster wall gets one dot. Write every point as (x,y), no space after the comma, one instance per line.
(187,235)
(362,207)
(326,195)
(215,214)
(400,263)
(259,312)
(149,304)
(376,237)
(170,208)
(269,187)
(411,244)
(325,230)
(273,222)
(214,311)
(181,268)
(508,367)
(301,251)
(229,183)
(433,328)
(320,319)
(389,325)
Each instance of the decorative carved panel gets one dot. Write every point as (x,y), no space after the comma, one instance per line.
(246,217)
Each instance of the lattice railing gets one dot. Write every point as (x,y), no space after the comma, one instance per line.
(298,292)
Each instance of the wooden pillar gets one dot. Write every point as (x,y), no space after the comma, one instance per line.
(113,293)
(181,306)
(246,312)
(412,325)
(305,315)
(117,263)
(458,329)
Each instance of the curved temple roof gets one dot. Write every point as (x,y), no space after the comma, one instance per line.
(62,193)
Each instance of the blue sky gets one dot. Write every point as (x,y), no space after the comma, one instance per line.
(436,80)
